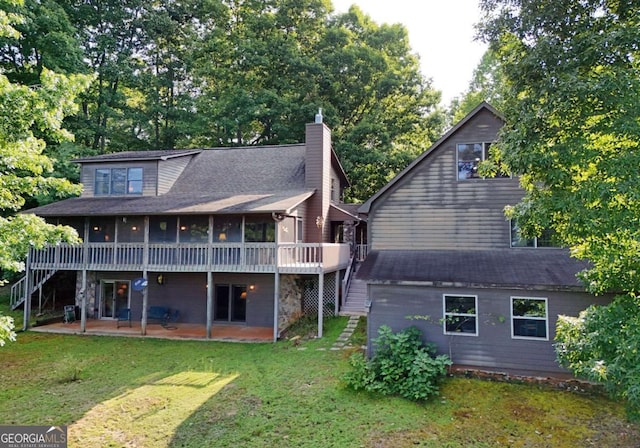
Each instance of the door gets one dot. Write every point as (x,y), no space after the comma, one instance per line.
(114,297)
(230,303)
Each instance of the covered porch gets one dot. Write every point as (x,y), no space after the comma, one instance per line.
(186,331)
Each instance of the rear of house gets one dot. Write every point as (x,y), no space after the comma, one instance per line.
(224,236)
(444,258)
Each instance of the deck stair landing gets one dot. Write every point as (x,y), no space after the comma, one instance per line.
(355,304)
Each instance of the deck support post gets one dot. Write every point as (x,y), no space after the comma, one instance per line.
(320,302)
(337,294)
(145,306)
(27,293)
(276,304)
(209,302)
(83,302)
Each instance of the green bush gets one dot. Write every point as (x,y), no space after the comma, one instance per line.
(402,365)
(603,345)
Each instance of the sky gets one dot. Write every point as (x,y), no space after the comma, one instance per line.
(440,31)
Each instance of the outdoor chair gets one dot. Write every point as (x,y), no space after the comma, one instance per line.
(123,315)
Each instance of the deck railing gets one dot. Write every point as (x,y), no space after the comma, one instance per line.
(235,257)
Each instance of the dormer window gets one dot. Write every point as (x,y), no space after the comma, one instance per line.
(118,181)
(469,156)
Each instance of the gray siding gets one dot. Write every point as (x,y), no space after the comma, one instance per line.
(149,175)
(169,170)
(493,347)
(187,293)
(429,208)
(318,177)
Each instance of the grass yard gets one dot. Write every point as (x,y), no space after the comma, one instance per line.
(130,392)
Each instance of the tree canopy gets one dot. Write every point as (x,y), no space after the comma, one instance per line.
(233,72)
(571,84)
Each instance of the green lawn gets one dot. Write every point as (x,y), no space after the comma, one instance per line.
(118,392)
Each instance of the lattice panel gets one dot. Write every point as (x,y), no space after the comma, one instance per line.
(310,296)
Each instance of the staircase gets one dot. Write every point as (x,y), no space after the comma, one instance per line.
(19,289)
(355,304)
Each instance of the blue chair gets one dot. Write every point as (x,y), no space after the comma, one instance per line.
(123,315)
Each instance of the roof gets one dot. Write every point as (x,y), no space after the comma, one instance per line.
(546,269)
(128,156)
(482,106)
(344,212)
(231,180)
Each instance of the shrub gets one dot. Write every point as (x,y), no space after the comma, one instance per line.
(603,345)
(402,365)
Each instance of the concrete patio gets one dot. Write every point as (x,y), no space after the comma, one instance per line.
(228,333)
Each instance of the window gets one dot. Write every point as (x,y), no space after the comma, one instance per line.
(259,230)
(547,239)
(194,229)
(118,181)
(469,156)
(529,318)
(460,315)
(162,229)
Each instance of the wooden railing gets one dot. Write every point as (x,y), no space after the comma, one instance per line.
(234,257)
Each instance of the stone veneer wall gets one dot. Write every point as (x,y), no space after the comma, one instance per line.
(290,300)
(92,300)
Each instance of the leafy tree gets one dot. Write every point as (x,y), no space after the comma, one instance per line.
(26,112)
(572,79)
(485,85)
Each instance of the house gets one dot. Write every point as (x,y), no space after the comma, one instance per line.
(443,257)
(235,236)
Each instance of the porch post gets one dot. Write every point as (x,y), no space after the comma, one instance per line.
(27,293)
(209,302)
(336,295)
(320,302)
(276,296)
(145,303)
(83,302)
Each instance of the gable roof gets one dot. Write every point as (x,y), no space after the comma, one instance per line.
(482,106)
(229,180)
(541,269)
(129,156)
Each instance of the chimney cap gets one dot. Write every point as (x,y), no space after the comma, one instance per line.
(319,115)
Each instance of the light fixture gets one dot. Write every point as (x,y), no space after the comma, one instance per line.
(96,228)
(134,228)
(252,287)
(160,279)
(222,237)
(183,228)
(243,295)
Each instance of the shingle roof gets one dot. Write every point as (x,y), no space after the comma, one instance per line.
(548,269)
(230,180)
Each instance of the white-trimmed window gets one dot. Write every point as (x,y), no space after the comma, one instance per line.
(469,156)
(529,318)
(460,314)
(118,181)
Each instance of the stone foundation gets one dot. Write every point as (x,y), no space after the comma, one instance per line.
(92,300)
(290,300)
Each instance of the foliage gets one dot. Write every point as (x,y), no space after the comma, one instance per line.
(401,365)
(230,73)
(486,85)
(28,116)
(589,346)
(6,330)
(571,74)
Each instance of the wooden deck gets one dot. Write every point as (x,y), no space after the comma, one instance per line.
(228,333)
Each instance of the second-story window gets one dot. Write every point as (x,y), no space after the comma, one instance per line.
(118,181)
(469,156)
(548,238)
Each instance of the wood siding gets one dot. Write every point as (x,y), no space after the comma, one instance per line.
(429,208)
(318,177)
(493,347)
(169,171)
(187,293)
(149,176)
